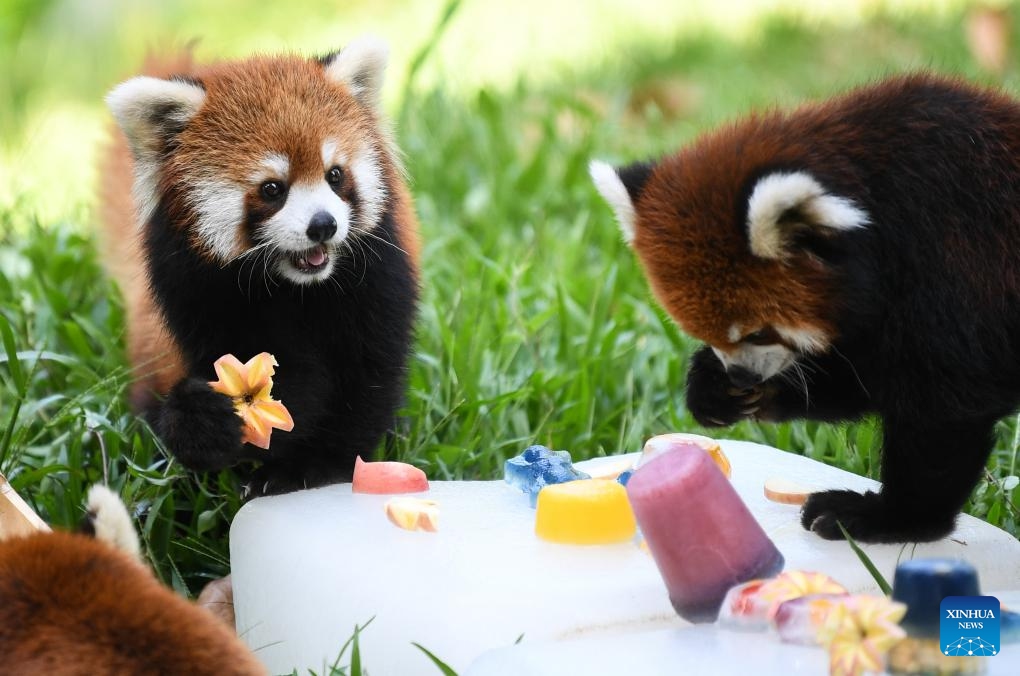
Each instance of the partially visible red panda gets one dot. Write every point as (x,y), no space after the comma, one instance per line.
(74,605)
(259,206)
(854,256)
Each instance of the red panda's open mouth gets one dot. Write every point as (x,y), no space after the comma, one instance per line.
(311,260)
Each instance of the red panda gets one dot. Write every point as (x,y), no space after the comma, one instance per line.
(850,257)
(259,206)
(71,604)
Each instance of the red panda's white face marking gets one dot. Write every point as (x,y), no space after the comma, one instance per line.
(282,158)
(219,207)
(305,232)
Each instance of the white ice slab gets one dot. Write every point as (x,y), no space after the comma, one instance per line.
(703,649)
(309,566)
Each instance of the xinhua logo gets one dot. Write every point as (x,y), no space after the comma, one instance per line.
(969,626)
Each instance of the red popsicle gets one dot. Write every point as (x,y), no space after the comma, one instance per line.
(700,533)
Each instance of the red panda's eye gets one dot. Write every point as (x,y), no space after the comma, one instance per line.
(334,176)
(764,336)
(272,190)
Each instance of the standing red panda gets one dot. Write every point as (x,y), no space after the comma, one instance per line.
(269,214)
(854,256)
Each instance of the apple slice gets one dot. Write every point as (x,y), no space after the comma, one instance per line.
(383,478)
(778,489)
(413,513)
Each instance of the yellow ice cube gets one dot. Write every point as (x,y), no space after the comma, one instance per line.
(584,512)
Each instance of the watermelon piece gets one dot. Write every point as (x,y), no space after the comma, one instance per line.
(384,478)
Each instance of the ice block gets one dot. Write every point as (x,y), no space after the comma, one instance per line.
(664,443)
(538,467)
(753,605)
(593,512)
(702,536)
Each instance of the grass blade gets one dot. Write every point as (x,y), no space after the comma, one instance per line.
(877,576)
(440,664)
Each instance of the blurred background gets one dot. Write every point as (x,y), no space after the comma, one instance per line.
(60,56)
(537,325)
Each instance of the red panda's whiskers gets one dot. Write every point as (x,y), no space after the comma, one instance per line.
(366,233)
(247,252)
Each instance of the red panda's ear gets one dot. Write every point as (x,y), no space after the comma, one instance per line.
(151,111)
(784,205)
(360,66)
(107,519)
(621,188)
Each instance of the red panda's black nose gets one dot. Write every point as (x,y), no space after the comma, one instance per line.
(321,227)
(742,378)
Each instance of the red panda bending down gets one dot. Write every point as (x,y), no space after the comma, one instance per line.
(269,214)
(851,257)
(71,604)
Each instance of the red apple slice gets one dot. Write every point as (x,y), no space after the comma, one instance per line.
(382,478)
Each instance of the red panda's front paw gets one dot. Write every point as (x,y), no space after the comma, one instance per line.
(871,517)
(200,426)
(712,399)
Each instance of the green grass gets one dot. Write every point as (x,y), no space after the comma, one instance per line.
(536,325)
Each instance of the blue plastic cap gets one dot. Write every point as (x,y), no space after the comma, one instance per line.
(922,584)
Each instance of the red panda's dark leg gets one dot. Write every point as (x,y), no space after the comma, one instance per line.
(928,472)
(199,426)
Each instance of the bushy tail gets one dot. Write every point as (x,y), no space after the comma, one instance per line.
(107,519)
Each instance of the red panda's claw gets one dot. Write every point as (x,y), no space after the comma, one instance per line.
(754,397)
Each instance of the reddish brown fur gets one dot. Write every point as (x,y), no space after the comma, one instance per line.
(691,234)
(151,350)
(73,605)
(299,97)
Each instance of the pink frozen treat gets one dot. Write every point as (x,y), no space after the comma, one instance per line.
(700,533)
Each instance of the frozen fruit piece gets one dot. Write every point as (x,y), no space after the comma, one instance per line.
(702,536)
(744,608)
(538,467)
(413,513)
(799,620)
(624,477)
(794,584)
(664,443)
(592,512)
(785,491)
(610,469)
(387,477)
(754,604)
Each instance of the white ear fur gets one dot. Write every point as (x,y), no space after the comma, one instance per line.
(111,521)
(360,66)
(149,109)
(776,194)
(611,187)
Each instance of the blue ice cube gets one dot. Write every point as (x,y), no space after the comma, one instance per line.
(538,467)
